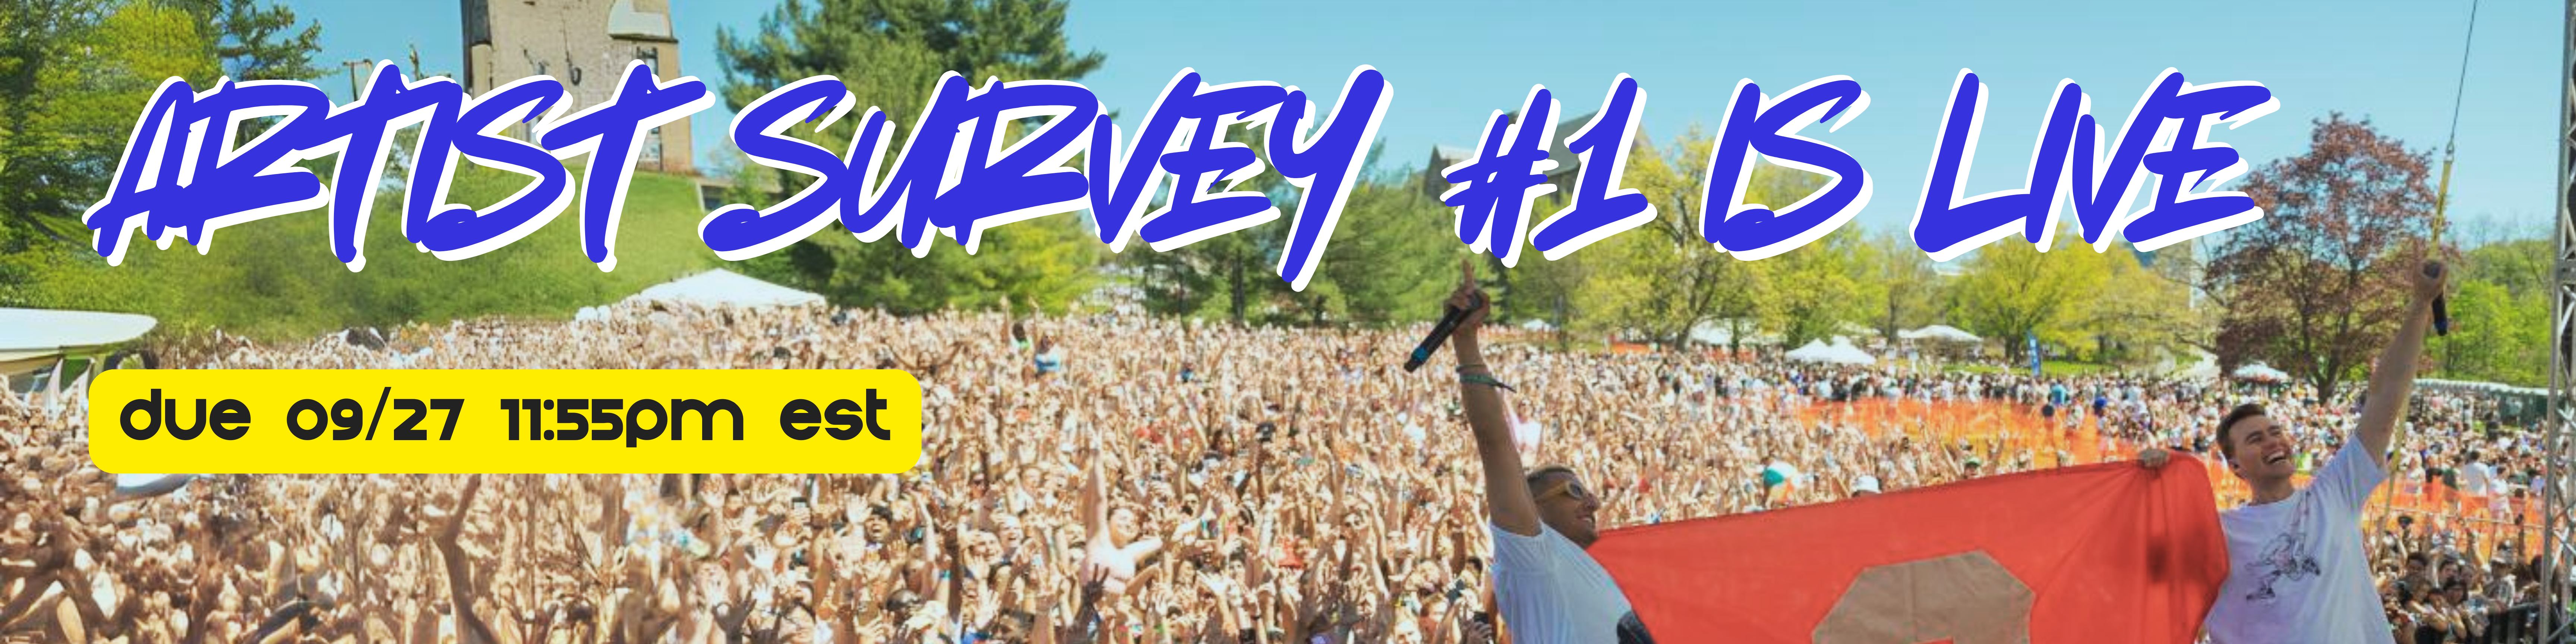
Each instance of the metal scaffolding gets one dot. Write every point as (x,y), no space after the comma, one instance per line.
(2559,458)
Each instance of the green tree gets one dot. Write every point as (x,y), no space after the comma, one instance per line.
(890,53)
(1554,292)
(72,75)
(2138,315)
(2499,316)
(2316,286)
(1907,287)
(1661,281)
(256,42)
(2010,290)
(73,72)
(1818,287)
(2520,266)
(1219,277)
(1387,261)
(2493,337)
(1392,255)
(1224,276)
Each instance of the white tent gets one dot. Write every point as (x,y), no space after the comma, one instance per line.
(50,329)
(34,338)
(1941,332)
(1715,333)
(721,287)
(1841,352)
(2261,372)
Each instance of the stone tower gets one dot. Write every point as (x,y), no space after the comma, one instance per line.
(583,44)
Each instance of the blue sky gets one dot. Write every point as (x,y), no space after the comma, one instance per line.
(2393,62)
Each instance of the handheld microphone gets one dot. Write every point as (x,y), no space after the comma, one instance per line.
(1439,335)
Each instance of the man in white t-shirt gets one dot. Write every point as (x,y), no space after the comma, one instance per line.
(2297,568)
(1547,588)
(2476,478)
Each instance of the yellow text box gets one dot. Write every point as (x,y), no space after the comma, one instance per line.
(460,421)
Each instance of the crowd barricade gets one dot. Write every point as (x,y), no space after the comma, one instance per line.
(2002,430)
(1994,429)
(2516,625)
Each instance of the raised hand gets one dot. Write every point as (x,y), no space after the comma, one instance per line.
(1472,630)
(1470,298)
(2429,282)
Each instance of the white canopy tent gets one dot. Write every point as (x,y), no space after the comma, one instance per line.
(32,339)
(1940,332)
(1841,352)
(1717,334)
(721,287)
(49,329)
(2261,373)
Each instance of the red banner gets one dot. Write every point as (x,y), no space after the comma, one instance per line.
(2100,553)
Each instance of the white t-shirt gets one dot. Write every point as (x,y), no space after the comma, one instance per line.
(2296,567)
(2478,480)
(1550,592)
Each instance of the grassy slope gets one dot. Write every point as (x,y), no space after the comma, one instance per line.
(276,278)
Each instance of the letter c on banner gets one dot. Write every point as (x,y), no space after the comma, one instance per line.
(1966,598)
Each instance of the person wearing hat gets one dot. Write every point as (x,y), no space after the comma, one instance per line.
(2297,568)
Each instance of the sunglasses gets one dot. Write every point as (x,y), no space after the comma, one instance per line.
(1571,489)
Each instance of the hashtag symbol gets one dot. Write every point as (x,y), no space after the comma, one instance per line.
(1493,192)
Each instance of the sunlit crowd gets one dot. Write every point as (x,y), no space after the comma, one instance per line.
(1103,478)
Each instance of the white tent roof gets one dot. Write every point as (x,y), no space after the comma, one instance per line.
(721,287)
(1938,332)
(2260,371)
(46,329)
(1840,352)
(1714,333)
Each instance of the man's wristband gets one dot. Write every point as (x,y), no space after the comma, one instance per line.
(1484,379)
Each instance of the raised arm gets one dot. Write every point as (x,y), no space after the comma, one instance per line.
(2392,380)
(1095,503)
(1507,496)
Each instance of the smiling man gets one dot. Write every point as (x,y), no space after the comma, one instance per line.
(2297,570)
(1548,589)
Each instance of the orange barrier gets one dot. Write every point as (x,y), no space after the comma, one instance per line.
(1991,428)
(2015,428)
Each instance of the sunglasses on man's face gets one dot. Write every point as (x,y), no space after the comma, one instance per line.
(1571,489)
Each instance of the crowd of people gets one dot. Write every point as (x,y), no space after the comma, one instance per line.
(1092,478)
